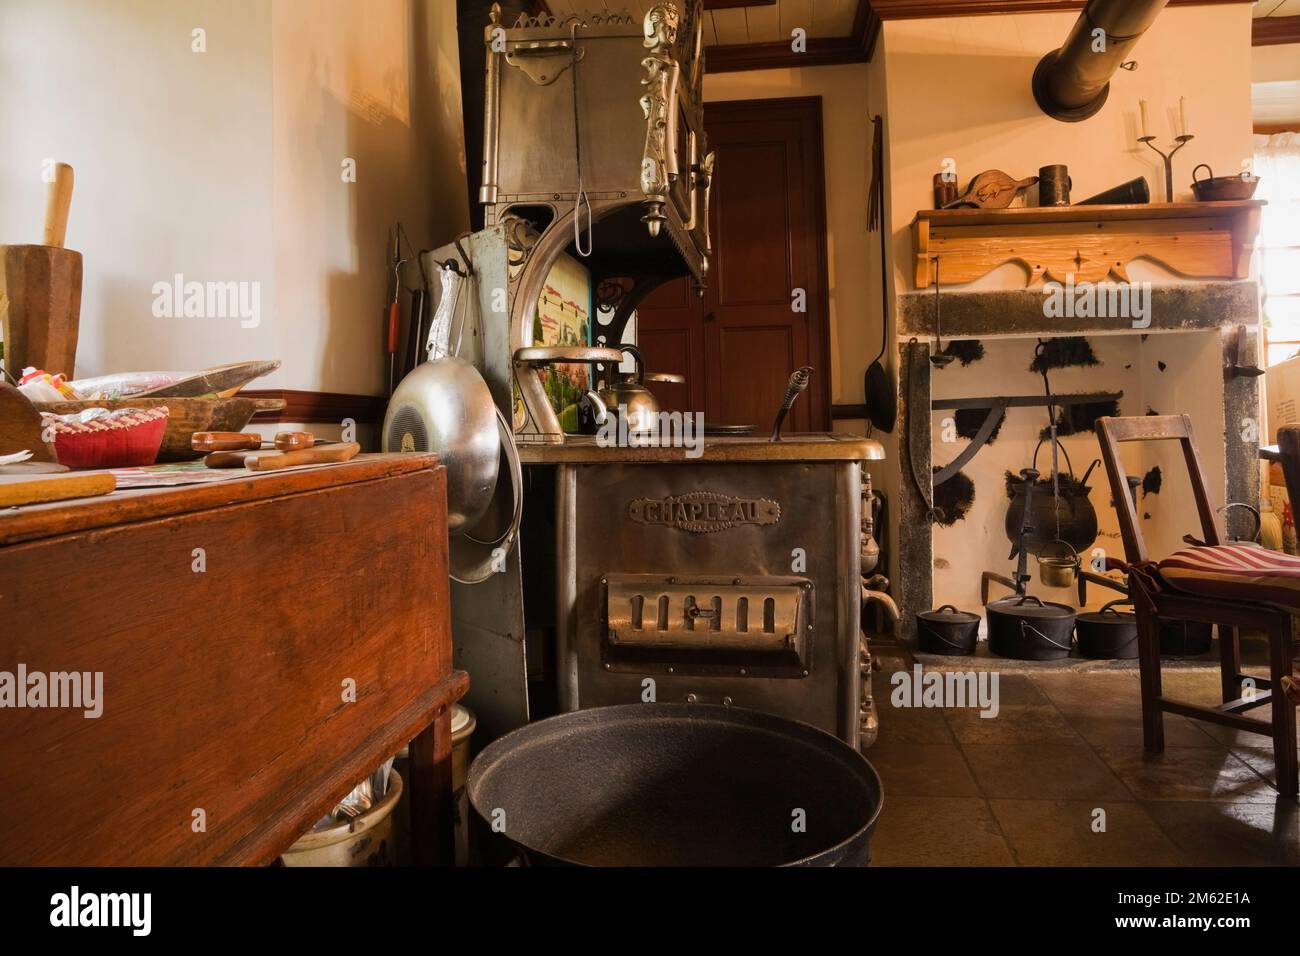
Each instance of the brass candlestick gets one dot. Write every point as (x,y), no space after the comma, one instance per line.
(1169,159)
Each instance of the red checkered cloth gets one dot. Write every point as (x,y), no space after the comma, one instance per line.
(1249,574)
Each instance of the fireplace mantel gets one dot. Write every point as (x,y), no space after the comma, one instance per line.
(1201,240)
(1179,307)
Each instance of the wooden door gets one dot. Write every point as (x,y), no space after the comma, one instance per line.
(738,344)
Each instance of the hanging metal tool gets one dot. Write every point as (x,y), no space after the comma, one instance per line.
(918,430)
(938,358)
(1040,353)
(394,323)
(580,199)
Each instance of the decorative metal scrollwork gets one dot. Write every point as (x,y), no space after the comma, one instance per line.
(660,82)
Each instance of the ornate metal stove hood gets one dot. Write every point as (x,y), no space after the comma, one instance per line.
(599,119)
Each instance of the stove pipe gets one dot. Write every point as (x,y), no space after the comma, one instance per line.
(1071,84)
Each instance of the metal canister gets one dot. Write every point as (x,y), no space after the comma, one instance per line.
(1054,185)
(945,189)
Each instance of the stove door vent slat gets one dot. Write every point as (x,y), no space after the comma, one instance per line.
(768,615)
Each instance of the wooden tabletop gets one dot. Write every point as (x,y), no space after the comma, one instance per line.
(794,447)
(142,504)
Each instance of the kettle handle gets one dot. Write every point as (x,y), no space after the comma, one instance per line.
(639,374)
(1061,445)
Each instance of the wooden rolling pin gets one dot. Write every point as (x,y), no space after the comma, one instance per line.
(31,491)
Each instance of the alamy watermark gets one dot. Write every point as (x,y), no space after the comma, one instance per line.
(75,908)
(75,690)
(641,429)
(208,300)
(945,689)
(1098,300)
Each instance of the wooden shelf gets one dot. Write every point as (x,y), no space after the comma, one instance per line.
(1207,240)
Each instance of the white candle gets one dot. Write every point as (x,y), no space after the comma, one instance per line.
(1182,113)
(1143,105)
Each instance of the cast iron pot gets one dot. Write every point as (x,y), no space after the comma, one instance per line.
(674,785)
(1024,628)
(947,630)
(1108,634)
(1185,638)
(1077,518)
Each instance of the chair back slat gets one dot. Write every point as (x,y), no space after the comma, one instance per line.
(1111,432)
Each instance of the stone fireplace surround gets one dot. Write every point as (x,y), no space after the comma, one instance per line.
(1209,307)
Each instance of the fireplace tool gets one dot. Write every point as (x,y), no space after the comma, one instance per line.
(1018,550)
(938,358)
(798,382)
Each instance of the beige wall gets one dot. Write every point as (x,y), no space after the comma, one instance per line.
(172,152)
(959,87)
(226,166)
(1270,64)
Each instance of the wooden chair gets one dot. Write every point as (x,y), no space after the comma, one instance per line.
(1234,586)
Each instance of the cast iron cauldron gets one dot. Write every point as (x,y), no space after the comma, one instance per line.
(674,785)
(1028,629)
(1076,516)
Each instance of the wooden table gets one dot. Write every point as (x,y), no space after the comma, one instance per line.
(264,643)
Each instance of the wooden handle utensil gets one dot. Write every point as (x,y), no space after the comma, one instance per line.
(228,459)
(58,199)
(294,441)
(225,441)
(309,456)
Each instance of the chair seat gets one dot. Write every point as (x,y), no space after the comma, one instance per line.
(1244,572)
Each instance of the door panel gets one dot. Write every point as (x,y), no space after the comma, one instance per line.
(740,342)
(672,352)
(674,342)
(752,226)
(750,382)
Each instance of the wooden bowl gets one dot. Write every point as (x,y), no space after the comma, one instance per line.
(185,417)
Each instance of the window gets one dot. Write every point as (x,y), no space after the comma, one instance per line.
(1277,163)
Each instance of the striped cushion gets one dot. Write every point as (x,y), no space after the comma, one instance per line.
(1245,572)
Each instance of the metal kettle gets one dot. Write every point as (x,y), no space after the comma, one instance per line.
(625,393)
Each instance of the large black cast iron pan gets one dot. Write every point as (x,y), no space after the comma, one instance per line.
(674,785)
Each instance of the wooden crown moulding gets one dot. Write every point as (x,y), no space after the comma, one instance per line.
(1210,240)
(857,47)
(1271,31)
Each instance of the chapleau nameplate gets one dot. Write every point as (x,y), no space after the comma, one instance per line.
(703,511)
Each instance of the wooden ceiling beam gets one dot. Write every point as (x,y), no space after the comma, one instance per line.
(732,4)
(860,46)
(1271,31)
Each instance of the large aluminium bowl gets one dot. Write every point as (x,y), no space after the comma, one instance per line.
(444,406)
(675,785)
